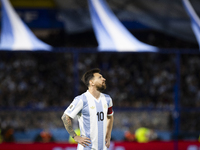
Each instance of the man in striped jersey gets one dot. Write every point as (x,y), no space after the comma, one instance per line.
(94,112)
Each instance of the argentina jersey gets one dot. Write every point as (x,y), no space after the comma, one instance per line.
(92,116)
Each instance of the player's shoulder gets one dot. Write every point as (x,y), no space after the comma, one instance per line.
(80,97)
(106,96)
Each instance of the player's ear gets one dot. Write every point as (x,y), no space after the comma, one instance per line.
(91,82)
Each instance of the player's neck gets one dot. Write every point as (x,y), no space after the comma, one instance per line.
(94,92)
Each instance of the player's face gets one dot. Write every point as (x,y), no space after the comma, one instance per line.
(99,82)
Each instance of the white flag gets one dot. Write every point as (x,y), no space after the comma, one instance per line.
(15,35)
(195,21)
(110,32)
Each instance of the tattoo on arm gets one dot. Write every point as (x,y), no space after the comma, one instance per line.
(68,125)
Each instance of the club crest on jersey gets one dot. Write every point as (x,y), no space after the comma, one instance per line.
(92,107)
(71,107)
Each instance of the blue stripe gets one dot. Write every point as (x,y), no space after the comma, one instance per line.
(86,120)
(7,37)
(108,99)
(100,125)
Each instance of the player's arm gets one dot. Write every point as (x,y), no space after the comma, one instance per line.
(69,127)
(110,120)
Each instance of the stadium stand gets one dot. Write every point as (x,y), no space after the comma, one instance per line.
(36,87)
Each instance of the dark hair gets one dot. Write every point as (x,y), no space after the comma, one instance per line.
(89,75)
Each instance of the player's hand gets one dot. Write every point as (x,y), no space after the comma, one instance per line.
(107,142)
(84,141)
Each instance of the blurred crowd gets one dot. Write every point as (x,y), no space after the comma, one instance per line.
(190,65)
(23,121)
(36,80)
(36,87)
(136,80)
(43,80)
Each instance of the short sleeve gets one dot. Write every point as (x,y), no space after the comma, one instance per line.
(74,108)
(110,105)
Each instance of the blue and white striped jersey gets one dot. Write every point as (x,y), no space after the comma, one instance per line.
(92,116)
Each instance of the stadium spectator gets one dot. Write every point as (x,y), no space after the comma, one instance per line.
(129,136)
(44,137)
(8,134)
(144,135)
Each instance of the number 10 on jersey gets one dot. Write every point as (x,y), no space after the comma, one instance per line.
(100,116)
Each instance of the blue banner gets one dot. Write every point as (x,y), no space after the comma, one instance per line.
(40,18)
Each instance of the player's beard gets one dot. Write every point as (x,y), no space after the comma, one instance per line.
(101,88)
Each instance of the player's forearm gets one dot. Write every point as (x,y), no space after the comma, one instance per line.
(109,126)
(68,125)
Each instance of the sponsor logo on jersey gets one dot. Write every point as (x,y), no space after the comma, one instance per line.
(92,107)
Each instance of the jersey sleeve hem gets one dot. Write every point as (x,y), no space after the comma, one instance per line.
(71,116)
(110,114)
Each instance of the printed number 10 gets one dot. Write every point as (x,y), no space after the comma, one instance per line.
(100,116)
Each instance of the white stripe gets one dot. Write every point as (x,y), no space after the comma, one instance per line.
(21,40)
(80,120)
(104,103)
(93,124)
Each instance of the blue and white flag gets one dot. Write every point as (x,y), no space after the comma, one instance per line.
(15,35)
(195,21)
(110,33)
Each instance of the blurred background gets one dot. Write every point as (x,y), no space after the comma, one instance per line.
(158,92)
